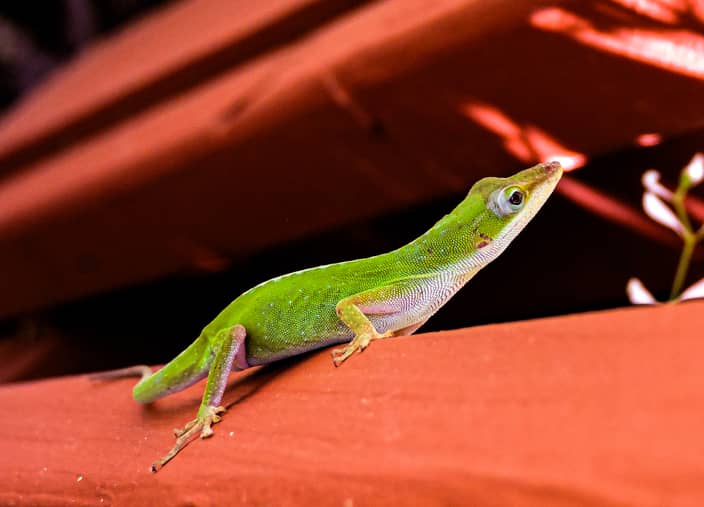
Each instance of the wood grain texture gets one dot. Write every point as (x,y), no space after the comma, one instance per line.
(593,409)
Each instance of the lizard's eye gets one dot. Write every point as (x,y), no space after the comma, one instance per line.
(511,200)
(515,198)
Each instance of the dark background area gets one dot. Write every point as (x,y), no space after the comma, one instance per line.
(37,38)
(567,261)
(397,142)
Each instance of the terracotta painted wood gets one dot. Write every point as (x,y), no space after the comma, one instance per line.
(594,409)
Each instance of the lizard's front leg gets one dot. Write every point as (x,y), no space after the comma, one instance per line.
(229,348)
(405,300)
(364,330)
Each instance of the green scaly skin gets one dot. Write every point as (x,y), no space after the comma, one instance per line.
(355,302)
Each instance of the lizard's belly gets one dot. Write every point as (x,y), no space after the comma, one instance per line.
(280,332)
(426,300)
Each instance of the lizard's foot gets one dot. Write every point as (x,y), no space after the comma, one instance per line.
(201,423)
(358,343)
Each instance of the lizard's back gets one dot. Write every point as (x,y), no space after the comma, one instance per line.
(295,313)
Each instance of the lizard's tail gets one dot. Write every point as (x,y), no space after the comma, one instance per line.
(184,370)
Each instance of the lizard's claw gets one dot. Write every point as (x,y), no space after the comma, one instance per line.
(205,422)
(201,423)
(358,343)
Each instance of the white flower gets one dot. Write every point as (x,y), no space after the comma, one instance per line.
(694,291)
(695,169)
(651,182)
(654,206)
(658,211)
(638,294)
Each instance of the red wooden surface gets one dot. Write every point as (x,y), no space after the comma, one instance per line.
(594,409)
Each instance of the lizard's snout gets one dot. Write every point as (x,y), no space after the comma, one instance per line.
(551,167)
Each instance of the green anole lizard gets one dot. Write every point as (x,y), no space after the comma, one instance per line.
(358,301)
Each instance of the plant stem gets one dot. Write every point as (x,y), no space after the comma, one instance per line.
(690,241)
(678,203)
(689,237)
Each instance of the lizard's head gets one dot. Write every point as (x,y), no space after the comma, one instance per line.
(485,222)
(506,205)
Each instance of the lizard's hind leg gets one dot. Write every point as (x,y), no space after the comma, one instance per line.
(228,348)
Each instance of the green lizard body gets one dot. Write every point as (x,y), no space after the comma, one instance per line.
(356,301)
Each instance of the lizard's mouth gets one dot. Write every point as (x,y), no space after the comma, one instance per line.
(540,181)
